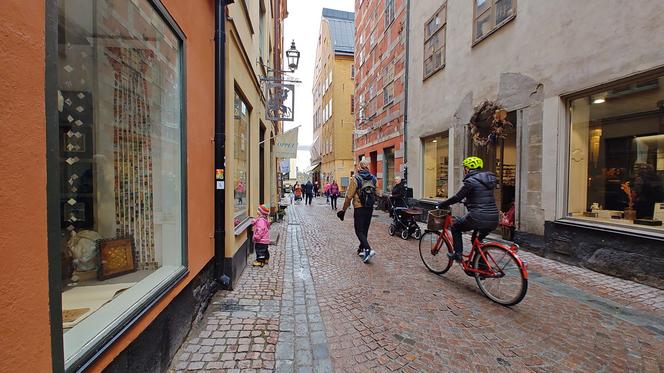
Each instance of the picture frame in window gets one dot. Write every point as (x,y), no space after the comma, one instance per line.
(116,257)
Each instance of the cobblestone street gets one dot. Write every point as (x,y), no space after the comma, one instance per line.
(317,308)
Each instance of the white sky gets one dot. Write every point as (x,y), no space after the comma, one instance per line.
(303,25)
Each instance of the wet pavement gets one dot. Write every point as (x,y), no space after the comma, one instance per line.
(317,308)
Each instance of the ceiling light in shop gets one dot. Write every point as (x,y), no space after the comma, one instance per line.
(599,100)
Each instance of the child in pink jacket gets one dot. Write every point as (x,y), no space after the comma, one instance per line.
(262,236)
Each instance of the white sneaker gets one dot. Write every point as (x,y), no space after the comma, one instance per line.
(369,255)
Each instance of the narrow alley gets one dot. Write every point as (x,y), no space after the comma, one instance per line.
(317,308)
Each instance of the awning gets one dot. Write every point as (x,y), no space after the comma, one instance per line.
(312,168)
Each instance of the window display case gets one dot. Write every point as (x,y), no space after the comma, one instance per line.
(121,177)
(616,158)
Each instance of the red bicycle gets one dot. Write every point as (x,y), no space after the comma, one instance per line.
(499,272)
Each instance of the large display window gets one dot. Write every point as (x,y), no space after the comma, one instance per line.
(241,156)
(435,166)
(616,156)
(120,153)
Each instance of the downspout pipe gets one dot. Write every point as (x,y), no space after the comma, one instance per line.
(405,110)
(220,140)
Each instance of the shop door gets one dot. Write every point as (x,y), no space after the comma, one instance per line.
(501,159)
(388,169)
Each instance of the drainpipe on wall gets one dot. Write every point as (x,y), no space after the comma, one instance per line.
(220,139)
(405,110)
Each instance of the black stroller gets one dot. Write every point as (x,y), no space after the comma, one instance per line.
(403,219)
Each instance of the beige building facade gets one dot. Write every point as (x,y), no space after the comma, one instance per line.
(333,97)
(581,82)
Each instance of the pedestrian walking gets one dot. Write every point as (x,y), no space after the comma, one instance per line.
(333,192)
(316,189)
(298,192)
(261,237)
(326,191)
(308,193)
(362,193)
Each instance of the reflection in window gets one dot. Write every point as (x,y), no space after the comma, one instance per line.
(491,14)
(241,156)
(119,93)
(616,160)
(435,166)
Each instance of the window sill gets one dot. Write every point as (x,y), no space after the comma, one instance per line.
(498,27)
(85,342)
(240,228)
(636,230)
(388,104)
(441,67)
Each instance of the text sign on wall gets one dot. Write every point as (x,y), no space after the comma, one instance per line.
(285,145)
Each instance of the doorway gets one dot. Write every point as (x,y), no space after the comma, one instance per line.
(501,159)
(388,168)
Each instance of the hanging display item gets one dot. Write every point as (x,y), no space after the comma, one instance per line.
(630,212)
(492,116)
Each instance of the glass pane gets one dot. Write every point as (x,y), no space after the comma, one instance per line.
(481,6)
(483,25)
(241,156)
(435,166)
(616,169)
(503,10)
(119,87)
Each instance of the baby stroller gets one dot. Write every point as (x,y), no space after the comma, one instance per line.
(403,219)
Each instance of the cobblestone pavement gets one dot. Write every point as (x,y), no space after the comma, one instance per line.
(318,308)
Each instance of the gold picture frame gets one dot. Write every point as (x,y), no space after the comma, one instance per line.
(116,257)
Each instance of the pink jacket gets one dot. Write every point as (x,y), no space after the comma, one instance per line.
(261,230)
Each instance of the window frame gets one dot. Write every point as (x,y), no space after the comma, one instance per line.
(104,339)
(390,12)
(496,26)
(565,127)
(428,38)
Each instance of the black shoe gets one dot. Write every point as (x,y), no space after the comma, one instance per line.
(454,256)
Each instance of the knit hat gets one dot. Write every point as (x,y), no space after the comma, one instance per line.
(262,210)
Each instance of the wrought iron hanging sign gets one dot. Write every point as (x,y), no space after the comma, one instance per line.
(280,102)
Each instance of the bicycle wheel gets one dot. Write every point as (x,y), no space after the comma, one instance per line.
(507,286)
(434,257)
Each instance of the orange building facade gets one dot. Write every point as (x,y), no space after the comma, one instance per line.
(109,179)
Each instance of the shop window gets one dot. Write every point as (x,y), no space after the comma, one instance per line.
(435,166)
(121,175)
(434,42)
(490,15)
(616,159)
(241,157)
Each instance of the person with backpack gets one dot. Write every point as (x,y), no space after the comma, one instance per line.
(362,193)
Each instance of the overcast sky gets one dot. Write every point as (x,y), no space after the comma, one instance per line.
(303,25)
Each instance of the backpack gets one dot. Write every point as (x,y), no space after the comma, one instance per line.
(366,190)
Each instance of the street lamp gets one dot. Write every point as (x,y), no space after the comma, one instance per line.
(293,56)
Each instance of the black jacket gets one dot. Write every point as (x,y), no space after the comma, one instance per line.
(308,188)
(477,190)
(399,190)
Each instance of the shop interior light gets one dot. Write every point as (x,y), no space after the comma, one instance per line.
(435,141)
(599,100)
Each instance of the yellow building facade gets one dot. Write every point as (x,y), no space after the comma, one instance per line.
(253,50)
(333,96)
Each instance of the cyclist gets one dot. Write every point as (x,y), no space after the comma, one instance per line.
(477,194)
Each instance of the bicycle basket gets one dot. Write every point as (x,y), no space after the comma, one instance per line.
(436,220)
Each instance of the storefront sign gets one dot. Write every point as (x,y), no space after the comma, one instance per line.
(280,102)
(285,145)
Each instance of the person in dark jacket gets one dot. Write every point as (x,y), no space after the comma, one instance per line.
(399,192)
(308,192)
(477,194)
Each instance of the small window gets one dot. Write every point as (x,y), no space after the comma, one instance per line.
(389,12)
(490,15)
(434,42)
(352,104)
(352,71)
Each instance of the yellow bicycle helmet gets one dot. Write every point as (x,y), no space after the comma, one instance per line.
(473,163)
